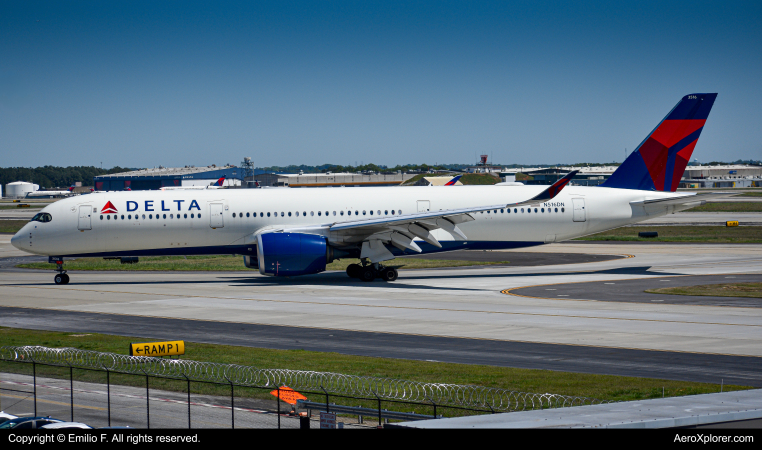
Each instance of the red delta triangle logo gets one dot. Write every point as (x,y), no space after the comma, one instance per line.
(109,209)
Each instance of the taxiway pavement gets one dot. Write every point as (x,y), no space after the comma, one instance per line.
(458,314)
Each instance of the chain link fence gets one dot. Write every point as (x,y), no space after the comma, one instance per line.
(324,384)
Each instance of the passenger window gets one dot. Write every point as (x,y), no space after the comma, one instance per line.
(522,209)
(334,213)
(515,210)
(392,212)
(320,213)
(379,212)
(357,212)
(399,212)
(289,214)
(304,213)
(386,212)
(101,217)
(312,213)
(535,210)
(122,216)
(165,216)
(233,214)
(268,214)
(562,210)
(542,210)
(363,213)
(171,216)
(108,217)
(556,210)
(192,216)
(199,215)
(341,213)
(501,211)
(144,216)
(185,216)
(297,214)
(326,213)
(371,212)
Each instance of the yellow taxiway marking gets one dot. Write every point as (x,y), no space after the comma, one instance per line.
(360,305)
(509,291)
(349,330)
(52,402)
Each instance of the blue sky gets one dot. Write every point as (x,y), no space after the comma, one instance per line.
(140,84)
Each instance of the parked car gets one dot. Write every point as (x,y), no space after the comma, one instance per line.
(27,423)
(66,426)
(4,417)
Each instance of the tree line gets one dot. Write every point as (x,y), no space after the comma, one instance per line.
(52,176)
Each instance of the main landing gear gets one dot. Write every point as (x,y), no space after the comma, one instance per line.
(61,277)
(369,272)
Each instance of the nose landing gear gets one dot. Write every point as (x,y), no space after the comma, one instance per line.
(61,277)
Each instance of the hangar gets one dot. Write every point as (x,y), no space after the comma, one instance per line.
(157,178)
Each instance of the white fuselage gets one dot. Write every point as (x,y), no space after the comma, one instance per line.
(226,221)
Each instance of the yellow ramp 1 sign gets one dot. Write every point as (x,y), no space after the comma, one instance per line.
(169,348)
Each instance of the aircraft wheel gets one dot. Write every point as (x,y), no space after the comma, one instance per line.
(368,274)
(65,279)
(59,279)
(353,270)
(389,274)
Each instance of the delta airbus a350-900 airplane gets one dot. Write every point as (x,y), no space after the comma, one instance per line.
(288,232)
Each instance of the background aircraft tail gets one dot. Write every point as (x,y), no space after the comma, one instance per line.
(659,161)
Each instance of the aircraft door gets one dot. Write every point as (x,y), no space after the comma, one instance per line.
(85,213)
(215,215)
(579,209)
(424,205)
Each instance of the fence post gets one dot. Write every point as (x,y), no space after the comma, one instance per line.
(34,381)
(232,404)
(327,408)
(71,391)
(379,408)
(108,394)
(148,402)
(277,400)
(189,411)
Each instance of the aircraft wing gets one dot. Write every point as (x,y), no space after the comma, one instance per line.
(400,231)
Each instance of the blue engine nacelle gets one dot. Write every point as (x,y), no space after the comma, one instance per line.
(290,254)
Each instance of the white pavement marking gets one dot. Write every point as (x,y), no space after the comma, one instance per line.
(454,302)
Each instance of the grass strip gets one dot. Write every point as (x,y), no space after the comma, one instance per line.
(603,387)
(729,207)
(711,234)
(749,290)
(12,226)
(230,263)
(751,194)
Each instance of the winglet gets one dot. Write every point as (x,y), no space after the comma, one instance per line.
(551,191)
(453,181)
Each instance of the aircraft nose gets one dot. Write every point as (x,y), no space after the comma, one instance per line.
(16,240)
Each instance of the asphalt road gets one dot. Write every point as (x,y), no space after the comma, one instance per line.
(708,368)
(634,290)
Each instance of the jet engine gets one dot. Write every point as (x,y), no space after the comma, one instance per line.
(291,254)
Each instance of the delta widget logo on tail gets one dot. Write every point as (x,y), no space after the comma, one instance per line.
(109,209)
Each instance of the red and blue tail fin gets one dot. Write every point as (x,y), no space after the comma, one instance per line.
(220,181)
(453,181)
(659,161)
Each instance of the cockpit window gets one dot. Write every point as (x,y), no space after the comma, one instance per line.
(42,217)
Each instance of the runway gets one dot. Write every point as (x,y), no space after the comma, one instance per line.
(459,315)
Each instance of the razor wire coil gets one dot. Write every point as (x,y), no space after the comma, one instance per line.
(468,396)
